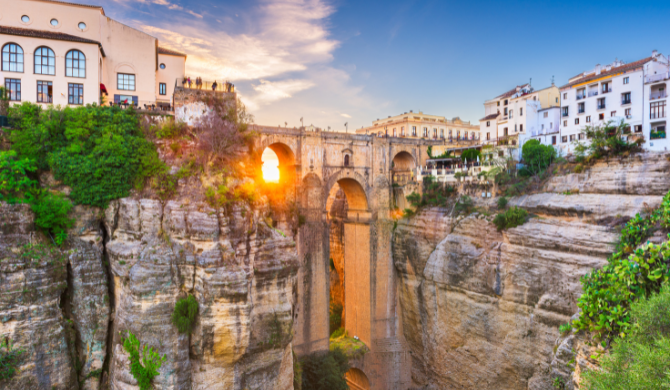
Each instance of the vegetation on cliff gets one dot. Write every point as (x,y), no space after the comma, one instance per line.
(10,359)
(325,371)
(632,273)
(183,316)
(144,363)
(510,218)
(641,360)
(606,140)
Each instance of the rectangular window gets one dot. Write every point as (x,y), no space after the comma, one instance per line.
(565,111)
(565,96)
(657,110)
(606,88)
(601,103)
(520,127)
(402,131)
(564,139)
(625,80)
(521,111)
(13,87)
(601,116)
(627,112)
(498,104)
(505,110)
(162,89)
(414,131)
(441,133)
(576,121)
(613,113)
(625,98)
(505,131)
(425,132)
(565,123)
(553,140)
(572,137)
(581,108)
(125,82)
(580,136)
(75,93)
(511,113)
(488,136)
(488,124)
(588,119)
(505,102)
(44,92)
(638,128)
(546,114)
(434,133)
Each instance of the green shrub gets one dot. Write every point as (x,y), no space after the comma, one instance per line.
(325,371)
(10,359)
(185,311)
(99,152)
(631,273)
(51,215)
(537,157)
(502,202)
(335,316)
(641,360)
(14,180)
(408,213)
(565,329)
(605,140)
(579,168)
(144,364)
(512,217)
(414,199)
(464,205)
(170,129)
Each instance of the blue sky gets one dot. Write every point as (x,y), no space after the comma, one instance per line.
(341,61)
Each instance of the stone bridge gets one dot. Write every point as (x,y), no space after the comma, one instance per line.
(318,165)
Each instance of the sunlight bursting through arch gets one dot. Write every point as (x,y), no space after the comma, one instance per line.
(270,166)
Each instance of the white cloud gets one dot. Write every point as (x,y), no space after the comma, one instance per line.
(346,115)
(268,91)
(194,14)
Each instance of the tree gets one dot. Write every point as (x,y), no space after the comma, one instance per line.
(606,140)
(470,154)
(537,156)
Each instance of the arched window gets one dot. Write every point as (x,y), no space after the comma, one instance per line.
(346,160)
(12,58)
(75,64)
(45,61)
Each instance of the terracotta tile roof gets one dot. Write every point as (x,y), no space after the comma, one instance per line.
(59,36)
(510,92)
(165,50)
(489,117)
(77,4)
(614,70)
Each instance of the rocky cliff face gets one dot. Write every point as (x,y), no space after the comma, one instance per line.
(123,270)
(481,309)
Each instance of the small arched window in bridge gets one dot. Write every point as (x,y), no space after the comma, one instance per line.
(346,160)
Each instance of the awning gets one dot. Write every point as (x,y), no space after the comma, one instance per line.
(103,89)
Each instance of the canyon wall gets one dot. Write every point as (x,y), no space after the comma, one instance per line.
(123,270)
(481,308)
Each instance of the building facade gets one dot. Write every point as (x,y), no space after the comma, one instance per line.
(633,93)
(456,134)
(512,117)
(70,54)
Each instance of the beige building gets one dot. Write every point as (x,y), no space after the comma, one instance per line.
(455,133)
(66,53)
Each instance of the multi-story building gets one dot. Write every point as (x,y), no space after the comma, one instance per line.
(61,53)
(616,92)
(456,134)
(514,116)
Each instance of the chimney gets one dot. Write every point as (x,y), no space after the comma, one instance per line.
(654,53)
(597,69)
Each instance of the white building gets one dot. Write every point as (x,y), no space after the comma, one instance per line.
(61,53)
(511,118)
(543,126)
(656,76)
(613,92)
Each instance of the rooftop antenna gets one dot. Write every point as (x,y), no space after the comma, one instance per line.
(531,82)
(552,80)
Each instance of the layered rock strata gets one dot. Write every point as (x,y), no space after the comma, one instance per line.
(481,308)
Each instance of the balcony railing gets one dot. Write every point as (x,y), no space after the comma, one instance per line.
(657,115)
(581,111)
(593,93)
(656,77)
(658,95)
(580,97)
(657,134)
(625,101)
(216,86)
(602,106)
(607,90)
(564,114)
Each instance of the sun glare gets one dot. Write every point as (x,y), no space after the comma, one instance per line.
(270,166)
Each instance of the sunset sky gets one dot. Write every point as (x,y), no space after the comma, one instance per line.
(333,62)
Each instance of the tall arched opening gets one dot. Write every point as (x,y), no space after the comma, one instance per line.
(403,178)
(277,181)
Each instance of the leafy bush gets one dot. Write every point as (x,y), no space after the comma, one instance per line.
(565,329)
(502,202)
(325,371)
(414,199)
(579,168)
(335,316)
(641,360)
(99,152)
(631,273)
(434,194)
(605,140)
(471,155)
(170,129)
(185,311)
(10,359)
(537,157)
(14,180)
(512,217)
(144,366)
(464,205)
(51,215)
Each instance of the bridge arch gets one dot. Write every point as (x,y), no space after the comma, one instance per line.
(354,186)
(357,380)
(403,160)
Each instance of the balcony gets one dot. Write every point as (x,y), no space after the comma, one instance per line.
(602,106)
(657,115)
(607,90)
(657,134)
(580,97)
(656,77)
(658,95)
(593,93)
(625,101)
